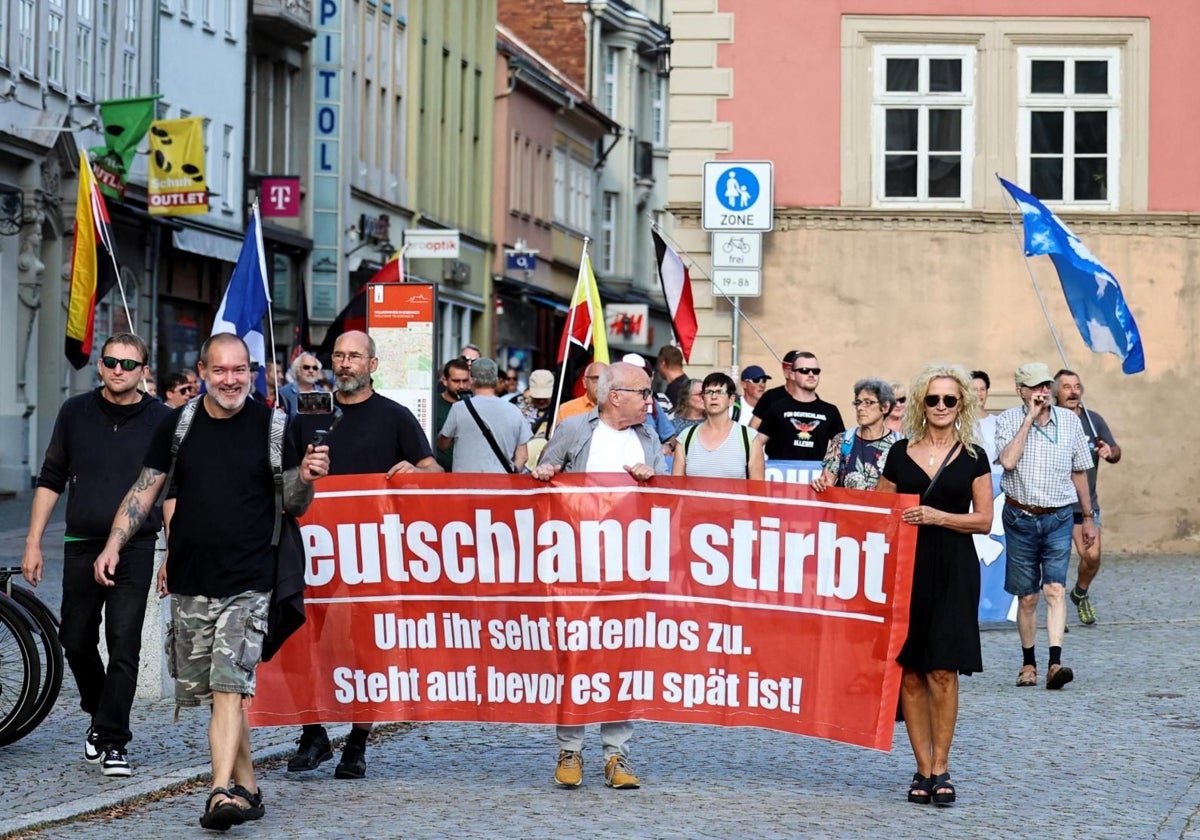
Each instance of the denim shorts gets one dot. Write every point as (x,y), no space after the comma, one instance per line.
(1037,549)
(215,644)
(1078,515)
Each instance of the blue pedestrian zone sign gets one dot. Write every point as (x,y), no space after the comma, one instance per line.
(737,188)
(738,195)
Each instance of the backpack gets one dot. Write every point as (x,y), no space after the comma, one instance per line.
(286,612)
(691,433)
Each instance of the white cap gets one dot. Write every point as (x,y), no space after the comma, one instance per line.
(634,359)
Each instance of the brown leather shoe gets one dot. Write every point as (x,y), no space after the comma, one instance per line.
(1027,676)
(1058,676)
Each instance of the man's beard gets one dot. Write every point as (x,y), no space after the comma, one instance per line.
(349,384)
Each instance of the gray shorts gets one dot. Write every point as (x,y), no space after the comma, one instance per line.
(215,644)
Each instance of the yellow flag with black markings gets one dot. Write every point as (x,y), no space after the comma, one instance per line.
(177,185)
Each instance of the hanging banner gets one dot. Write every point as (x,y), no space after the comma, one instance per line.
(176,185)
(401,319)
(125,124)
(496,598)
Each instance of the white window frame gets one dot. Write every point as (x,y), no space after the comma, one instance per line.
(104,49)
(658,112)
(608,232)
(27,36)
(882,100)
(612,76)
(1068,102)
(4,33)
(206,15)
(56,44)
(84,48)
(229,20)
(130,71)
(227,169)
(185,10)
(560,185)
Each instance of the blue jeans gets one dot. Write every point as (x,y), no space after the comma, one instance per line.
(1037,549)
(106,695)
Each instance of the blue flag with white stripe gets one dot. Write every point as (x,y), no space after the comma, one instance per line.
(247,301)
(1093,294)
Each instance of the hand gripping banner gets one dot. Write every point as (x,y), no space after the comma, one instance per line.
(496,598)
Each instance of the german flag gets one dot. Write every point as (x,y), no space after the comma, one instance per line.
(93,266)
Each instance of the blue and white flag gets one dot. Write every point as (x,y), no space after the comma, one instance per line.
(247,300)
(1093,294)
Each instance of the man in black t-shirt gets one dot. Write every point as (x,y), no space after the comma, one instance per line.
(456,381)
(373,435)
(220,566)
(798,425)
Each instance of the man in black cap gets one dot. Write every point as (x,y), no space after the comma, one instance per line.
(754,385)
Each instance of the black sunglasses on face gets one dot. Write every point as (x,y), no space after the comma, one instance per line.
(760,380)
(111,362)
(310,367)
(949,400)
(807,371)
(901,400)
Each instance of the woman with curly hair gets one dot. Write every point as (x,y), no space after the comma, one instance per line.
(943,463)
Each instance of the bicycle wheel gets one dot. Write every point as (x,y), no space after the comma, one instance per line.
(20,670)
(50,658)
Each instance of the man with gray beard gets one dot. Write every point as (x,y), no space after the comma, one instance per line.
(374,435)
(220,568)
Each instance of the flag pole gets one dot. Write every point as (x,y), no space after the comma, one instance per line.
(570,327)
(732,301)
(262,267)
(93,197)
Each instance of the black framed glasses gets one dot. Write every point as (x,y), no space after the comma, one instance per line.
(807,371)
(948,400)
(716,392)
(645,393)
(864,403)
(112,363)
(902,400)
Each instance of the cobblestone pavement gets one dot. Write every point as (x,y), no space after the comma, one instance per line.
(1112,755)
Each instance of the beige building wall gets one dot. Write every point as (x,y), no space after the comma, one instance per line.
(882,292)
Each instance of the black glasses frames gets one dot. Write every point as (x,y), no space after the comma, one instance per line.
(948,400)
(111,362)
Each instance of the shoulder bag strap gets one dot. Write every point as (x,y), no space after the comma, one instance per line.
(275,430)
(938,474)
(746,447)
(182,426)
(489,437)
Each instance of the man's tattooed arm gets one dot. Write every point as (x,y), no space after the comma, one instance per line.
(135,506)
(297,494)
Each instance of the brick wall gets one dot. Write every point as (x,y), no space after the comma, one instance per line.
(554,29)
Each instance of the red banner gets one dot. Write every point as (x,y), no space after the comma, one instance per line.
(495,598)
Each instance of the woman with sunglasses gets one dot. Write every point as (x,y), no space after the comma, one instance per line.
(895,418)
(855,457)
(943,464)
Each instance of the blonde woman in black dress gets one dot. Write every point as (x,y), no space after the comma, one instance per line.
(943,628)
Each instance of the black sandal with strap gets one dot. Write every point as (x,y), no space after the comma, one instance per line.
(256,811)
(921,790)
(941,782)
(224,816)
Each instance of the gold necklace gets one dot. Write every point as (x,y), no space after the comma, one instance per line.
(933,451)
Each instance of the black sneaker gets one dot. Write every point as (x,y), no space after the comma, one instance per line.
(353,764)
(115,762)
(314,750)
(93,751)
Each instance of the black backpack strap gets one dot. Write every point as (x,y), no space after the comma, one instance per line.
(182,426)
(489,437)
(746,447)
(275,430)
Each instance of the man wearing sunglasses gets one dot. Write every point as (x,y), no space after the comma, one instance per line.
(611,438)
(1045,456)
(754,385)
(306,378)
(177,389)
(96,449)
(798,425)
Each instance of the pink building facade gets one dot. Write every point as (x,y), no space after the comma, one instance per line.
(887,122)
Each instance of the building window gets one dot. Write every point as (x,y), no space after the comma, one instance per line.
(608,234)
(514,174)
(611,73)
(1070,124)
(4,32)
(923,124)
(129,50)
(185,9)
(658,111)
(104,50)
(83,48)
(206,14)
(26,32)
(230,32)
(54,43)
(227,168)
(579,195)
(209,169)
(560,185)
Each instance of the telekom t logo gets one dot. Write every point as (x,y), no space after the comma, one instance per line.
(281,196)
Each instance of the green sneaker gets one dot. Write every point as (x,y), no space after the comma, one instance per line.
(1087,613)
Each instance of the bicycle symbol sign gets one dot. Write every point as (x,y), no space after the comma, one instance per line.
(737,196)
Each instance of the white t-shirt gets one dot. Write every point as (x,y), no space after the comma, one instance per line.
(985,430)
(612,451)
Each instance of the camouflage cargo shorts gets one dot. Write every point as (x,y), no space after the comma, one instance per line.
(215,644)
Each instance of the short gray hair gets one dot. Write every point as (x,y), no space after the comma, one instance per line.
(299,362)
(484,373)
(882,391)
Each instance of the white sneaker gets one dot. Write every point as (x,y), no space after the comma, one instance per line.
(115,762)
(92,753)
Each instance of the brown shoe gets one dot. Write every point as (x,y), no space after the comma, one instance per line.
(1058,676)
(1027,676)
